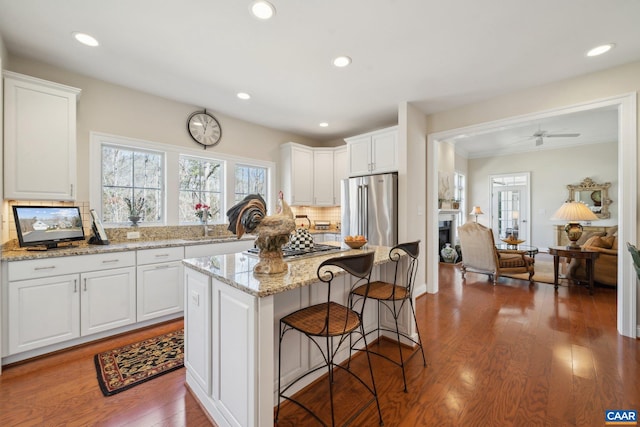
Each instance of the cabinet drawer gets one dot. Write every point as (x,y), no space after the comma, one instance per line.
(37,268)
(154,256)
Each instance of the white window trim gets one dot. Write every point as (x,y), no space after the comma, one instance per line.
(223,184)
(171,178)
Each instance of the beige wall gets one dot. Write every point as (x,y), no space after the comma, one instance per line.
(550,175)
(113,109)
(412,195)
(603,84)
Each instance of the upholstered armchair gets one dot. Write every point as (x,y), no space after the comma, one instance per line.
(479,254)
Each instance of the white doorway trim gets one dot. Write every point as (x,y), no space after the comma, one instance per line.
(626,198)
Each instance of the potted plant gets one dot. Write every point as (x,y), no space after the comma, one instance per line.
(135,207)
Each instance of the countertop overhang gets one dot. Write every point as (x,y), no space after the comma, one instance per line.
(236,270)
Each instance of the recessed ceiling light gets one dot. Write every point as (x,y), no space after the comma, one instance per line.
(599,50)
(243,95)
(324,124)
(262,9)
(86,39)
(342,61)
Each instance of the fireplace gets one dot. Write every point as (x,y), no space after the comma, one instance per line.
(445,234)
(447,223)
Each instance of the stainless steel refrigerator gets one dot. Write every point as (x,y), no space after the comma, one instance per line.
(370,208)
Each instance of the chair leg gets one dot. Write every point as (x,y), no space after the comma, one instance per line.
(330,373)
(395,318)
(279,371)
(373,381)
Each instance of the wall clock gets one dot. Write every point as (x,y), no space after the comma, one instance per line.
(204,128)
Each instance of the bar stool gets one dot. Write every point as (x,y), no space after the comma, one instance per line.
(328,325)
(394,296)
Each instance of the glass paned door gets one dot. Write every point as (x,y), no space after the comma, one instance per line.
(510,206)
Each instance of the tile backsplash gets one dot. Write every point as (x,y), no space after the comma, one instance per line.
(331,214)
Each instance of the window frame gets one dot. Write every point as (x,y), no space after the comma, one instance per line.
(162,181)
(171,176)
(246,165)
(223,184)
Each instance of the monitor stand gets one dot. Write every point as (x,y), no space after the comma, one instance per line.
(47,246)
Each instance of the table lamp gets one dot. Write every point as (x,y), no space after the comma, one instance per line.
(476,211)
(573,212)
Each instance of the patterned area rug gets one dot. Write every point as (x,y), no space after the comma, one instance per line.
(125,367)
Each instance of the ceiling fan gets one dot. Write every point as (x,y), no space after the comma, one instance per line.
(541,134)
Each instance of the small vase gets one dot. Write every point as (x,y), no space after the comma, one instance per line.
(134,220)
(203,221)
(448,253)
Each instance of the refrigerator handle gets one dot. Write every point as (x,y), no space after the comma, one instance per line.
(359,226)
(365,212)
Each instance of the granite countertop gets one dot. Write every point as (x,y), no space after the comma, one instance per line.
(237,270)
(84,248)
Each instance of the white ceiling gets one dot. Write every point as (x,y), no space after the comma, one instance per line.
(436,54)
(595,126)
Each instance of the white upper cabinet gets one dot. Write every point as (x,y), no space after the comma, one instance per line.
(374,152)
(323,178)
(39,139)
(311,176)
(340,171)
(297,174)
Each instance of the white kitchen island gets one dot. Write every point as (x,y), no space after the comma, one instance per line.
(232,325)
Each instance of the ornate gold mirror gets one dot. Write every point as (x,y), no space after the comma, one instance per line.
(592,194)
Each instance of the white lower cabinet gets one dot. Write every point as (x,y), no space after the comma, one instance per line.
(107,300)
(197,323)
(160,288)
(65,300)
(43,312)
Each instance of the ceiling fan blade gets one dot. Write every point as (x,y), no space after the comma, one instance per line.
(562,135)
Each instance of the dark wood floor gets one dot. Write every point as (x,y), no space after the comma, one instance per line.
(505,355)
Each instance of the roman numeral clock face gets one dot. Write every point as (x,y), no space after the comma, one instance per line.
(204,128)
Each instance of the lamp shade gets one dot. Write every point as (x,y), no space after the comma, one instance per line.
(476,211)
(574,211)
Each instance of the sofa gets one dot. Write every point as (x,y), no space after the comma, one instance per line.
(605,266)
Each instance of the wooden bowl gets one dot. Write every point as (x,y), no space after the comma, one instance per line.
(512,241)
(356,244)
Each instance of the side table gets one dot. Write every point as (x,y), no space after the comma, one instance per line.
(530,250)
(577,253)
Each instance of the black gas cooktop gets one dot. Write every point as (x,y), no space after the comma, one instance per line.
(316,249)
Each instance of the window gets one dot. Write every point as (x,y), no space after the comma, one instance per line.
(250,180)
(510,202)
(169,181)
(131,184)
(200,182)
